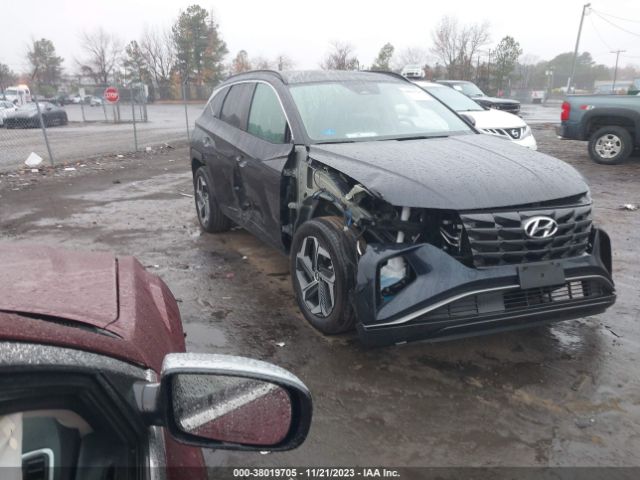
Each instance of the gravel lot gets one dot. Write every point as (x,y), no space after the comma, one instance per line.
(561,395)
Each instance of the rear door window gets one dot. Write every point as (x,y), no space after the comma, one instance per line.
(216,102)
(235,109)
(267,119)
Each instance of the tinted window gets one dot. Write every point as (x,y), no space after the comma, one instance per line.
(266,119)
(236,105)
(216,102)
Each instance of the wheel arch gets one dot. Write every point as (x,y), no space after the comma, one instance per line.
(603,117)
(196,161)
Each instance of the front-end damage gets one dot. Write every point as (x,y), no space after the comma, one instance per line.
(434,273)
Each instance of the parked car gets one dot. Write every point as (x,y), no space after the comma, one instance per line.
(27,116)
(398,217)
(92,100)
(95,381)
(472,91)
(6,107)
(413,72)
(487,120)
(610,123)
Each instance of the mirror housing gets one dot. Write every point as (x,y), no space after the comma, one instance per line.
(227,402)
(469,119)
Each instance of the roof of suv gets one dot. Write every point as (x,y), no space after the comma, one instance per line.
(453,81)
(292,77)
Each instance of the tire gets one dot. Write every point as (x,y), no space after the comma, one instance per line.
(324,239)
(210,216)
(64,120)
(610,145)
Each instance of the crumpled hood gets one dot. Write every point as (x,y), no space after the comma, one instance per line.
(462,172)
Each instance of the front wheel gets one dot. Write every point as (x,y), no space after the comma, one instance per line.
(323,274)
(610,145)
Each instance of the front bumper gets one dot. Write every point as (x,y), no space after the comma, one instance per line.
(529,141)
(447,300)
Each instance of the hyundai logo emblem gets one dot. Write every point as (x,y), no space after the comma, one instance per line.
(540,227)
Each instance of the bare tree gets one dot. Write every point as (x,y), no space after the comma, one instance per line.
(102,53)
(457,46)
(241,63)
(284,62)
(341,56)
(158,49)
(280,62)
(262,63)
(411,56)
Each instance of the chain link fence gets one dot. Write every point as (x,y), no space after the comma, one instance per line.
(77,127)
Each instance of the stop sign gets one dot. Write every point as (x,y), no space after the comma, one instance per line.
(111,95)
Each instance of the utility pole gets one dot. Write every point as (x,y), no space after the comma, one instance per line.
(575,52)
(615,70)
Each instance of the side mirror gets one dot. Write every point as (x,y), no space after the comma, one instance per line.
(469,119)
(227,402)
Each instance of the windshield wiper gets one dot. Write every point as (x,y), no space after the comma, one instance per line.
(418,137)
(331,142)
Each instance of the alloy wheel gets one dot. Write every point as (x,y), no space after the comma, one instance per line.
(316,277)
(608,145)
(202,200)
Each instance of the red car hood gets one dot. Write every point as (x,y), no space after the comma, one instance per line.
(55,297)
(78,286)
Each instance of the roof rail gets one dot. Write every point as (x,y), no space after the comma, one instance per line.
(272,72)
(391,74)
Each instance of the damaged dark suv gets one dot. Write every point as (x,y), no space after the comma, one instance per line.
(399,218)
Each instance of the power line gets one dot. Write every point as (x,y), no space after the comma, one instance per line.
(614,16)
(598,34)
(618,26)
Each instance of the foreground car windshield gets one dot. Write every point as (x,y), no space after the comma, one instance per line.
(456,100)
(372,110)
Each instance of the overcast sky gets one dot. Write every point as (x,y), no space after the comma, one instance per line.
(303,29)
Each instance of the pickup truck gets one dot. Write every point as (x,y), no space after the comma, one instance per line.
(610,123)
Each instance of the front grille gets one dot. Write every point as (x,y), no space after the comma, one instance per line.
(499,239)
(507,107)
(514,133)
(492,303)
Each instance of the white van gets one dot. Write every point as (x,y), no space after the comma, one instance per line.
(18,95)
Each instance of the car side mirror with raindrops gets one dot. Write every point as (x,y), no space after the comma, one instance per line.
(227,402)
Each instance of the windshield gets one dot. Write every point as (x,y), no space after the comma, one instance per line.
(10,92)
(372,110)
(468,89)
(454,99)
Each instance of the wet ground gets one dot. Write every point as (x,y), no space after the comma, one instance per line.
(567,394)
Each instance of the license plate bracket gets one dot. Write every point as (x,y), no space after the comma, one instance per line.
(541,275)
